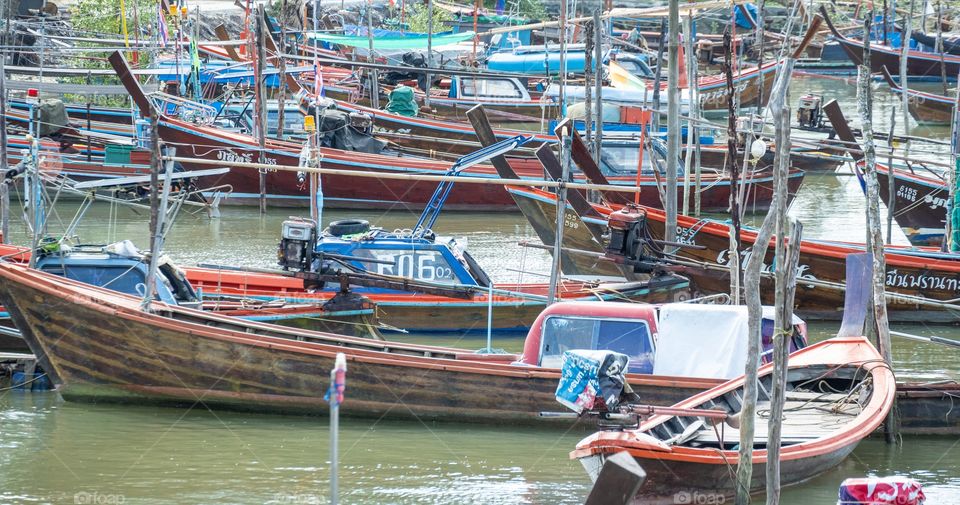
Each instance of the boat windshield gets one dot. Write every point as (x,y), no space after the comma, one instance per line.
(627,336)
(491,88)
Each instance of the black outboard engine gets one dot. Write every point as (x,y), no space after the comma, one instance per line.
(628,240)
(810,112)
(298,241)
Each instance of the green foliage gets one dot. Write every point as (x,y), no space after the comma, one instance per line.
(104,16)
(418,21)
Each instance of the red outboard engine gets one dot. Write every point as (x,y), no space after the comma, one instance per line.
(881,491)
(625,226)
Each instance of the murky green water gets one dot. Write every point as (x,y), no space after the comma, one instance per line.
(56,452)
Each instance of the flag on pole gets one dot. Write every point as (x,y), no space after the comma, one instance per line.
(338,381)
(162,26)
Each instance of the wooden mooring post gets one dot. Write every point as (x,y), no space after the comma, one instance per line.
(261,101)
(673,118)
(876,318)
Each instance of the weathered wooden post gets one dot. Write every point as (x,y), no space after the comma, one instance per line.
(877,318)
(156,161)
(598,82)
(732,170)
(261,122)
(787,256)
(587,90)
(752,283)
(673,119)
(4,187)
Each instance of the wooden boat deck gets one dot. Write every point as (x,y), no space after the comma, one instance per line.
(805,419)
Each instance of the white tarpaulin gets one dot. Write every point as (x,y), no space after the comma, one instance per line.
(701,341)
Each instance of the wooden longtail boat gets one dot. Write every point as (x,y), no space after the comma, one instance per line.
(918,63)
(926,108)
(921,203)
(924,279)
(414,311)
(924,408)
(99,346)
(838,392)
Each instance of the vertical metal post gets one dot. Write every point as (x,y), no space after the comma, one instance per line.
(490,317)
(34,188)
(261,104)
(429,79)
(565,147)
(673,119)
(562,32)
(335,396)
(587,90)
(373,75)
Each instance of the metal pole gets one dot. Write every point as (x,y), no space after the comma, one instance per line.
(673,119)
(562,32)
(374,77)
(691,128)
(428,85)
(337,385)
(261,104)
(565,147)
(490,317)
(598,82)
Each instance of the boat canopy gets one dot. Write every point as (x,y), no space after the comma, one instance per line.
(707,340)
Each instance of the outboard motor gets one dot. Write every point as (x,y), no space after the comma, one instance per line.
(627,239)
(625,227)
(298,241)
(810,111)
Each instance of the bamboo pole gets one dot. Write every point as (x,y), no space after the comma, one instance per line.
(598,82)
(673,119)
(374,174)
(877,318)
(261,102)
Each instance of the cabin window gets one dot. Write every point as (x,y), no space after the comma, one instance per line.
(630,337)
(492,88)
(418,264)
